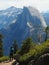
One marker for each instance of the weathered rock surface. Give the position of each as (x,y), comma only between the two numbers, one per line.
(43,60)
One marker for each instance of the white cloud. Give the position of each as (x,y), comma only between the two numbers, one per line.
(41,5)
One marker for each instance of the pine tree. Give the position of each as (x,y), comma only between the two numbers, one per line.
(1,46)
(15,46)
(26,46)
(47,32)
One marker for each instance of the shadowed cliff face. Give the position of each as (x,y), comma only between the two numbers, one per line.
(46,17)
(20,24)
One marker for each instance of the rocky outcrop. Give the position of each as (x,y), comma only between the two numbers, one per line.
(43,60)
(32,62)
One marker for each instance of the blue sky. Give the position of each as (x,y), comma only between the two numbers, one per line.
(41,5)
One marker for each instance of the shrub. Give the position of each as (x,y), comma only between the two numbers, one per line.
(4,58)
(26,46)
(37,51)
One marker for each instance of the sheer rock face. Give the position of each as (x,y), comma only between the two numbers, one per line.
(46,17)
(19,24)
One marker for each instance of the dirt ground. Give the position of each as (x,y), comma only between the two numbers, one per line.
(7,62)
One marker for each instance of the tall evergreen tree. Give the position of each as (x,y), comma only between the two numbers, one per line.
(1,45)
(15,46)
(47,32)
(26,45)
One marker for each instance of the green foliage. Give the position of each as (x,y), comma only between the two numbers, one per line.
(1,46)
(37,51)
(47,32)
(26,46)
(4,58)
(32,45)
(47,28)
(15,46)
(1,36)
(17,52)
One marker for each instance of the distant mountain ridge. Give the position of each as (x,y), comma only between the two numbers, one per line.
(9,16)
(20,24)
